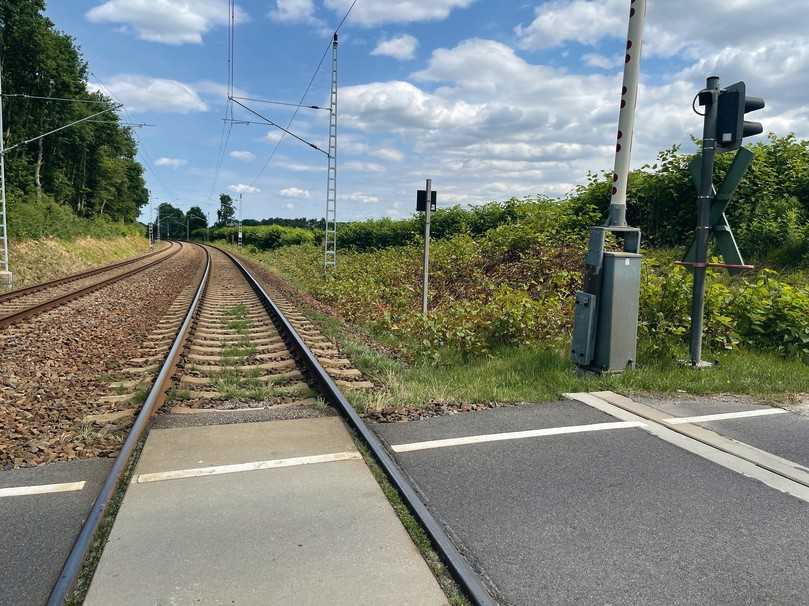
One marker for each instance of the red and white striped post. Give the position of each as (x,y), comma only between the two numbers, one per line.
(626,119)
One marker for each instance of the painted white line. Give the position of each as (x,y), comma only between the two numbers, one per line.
(514,435)
(22,491)
(242,467)
(710,453)
(726,415)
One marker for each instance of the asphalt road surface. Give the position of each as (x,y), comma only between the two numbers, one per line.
(614,515)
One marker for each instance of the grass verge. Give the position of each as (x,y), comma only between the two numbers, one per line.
(536,374)
(35,261)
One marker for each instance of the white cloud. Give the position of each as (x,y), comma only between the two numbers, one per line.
(242,156)
(359,196)
(582,21)
(166,21)
(216,89)
(290,205)
(143,93)
(364,167)
(274,136)
(376,12)
(401,47)
(299,167)
(241,188)
(295,192)
(686,27)
(389,153)
(293,11)
(602,61)
(171,162)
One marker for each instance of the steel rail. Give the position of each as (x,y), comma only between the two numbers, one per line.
(19,292)
(468,578)
(73,565)
(70,296)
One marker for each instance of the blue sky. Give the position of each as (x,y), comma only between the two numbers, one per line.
(489,99)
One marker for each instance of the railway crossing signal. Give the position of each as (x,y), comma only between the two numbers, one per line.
(422,196)
(731,125)
(724,130)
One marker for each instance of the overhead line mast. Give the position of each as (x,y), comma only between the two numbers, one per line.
(330,239)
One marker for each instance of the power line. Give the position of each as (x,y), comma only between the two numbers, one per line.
(268,102)
(227,125)
(38,97)
(56,130)
(271,123)
(305,92)
(141,145)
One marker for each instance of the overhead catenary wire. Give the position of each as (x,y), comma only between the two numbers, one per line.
(56,130)
(142,148)
(41,98)
(305,93)
(227,126)
(268,102)
(278,126)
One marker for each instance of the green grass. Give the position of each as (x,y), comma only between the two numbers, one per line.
(534,374)
(543,372)
(35,261)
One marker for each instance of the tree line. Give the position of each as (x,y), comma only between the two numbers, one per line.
(90,167)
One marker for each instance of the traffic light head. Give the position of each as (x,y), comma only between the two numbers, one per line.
(731,126)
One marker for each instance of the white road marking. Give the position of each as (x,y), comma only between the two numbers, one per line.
(726,415)
(514,435)
(710,453)
(241,467)
(22,491)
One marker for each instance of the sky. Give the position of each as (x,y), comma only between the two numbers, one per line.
(489,99)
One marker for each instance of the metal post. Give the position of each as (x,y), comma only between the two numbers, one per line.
(626,120)
(708,98)
(151,228)
(240,220)
(5,278)
(187,229)
(330,240)
(425,295)
(158,223)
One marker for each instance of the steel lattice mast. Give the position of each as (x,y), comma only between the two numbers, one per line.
(330,240)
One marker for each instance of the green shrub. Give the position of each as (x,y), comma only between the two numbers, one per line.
(773,315)
(32,220)
(262,237)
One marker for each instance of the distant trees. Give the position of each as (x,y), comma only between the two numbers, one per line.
(196,218)
(226,212)
(172,221)
(90,167)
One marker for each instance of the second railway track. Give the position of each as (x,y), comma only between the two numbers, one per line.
(18,305)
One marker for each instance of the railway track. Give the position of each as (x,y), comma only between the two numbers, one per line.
(235,346)
(18,305)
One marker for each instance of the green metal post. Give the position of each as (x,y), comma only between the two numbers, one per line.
(709,100)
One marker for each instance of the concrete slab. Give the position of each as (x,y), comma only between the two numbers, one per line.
(39,530)
(612,517)
(785,435)
(313,534)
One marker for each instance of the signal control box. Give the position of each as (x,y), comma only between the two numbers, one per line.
(606,325)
